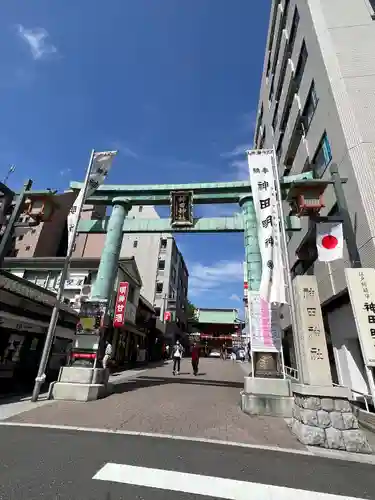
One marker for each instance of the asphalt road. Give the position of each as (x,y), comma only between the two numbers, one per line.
(61,464)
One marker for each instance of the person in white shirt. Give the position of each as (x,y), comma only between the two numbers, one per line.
(177,355)
(107,355)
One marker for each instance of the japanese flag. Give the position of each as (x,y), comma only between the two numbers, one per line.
(329,241)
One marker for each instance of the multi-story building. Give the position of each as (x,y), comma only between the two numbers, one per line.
(163,271)
(161,266)
(316,107)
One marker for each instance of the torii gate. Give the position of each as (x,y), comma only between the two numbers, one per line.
(123,197)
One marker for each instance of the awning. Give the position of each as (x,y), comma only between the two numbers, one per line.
(28,325)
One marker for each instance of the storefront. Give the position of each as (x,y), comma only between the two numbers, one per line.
(25,311)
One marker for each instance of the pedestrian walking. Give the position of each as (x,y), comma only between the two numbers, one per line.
(233,356)
(195,358)
(224,351)
(107,354)
(177,355)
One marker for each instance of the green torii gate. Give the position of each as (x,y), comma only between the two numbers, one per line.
(123,197)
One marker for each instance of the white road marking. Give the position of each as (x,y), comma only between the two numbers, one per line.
(210,486)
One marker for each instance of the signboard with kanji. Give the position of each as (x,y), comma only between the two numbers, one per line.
(167,316)
(182,208)
(120,308)
(311,332)
(361,287)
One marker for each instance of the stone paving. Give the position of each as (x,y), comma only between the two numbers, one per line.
(155,401)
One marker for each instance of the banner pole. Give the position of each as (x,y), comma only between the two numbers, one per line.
(285,254)
(41,376)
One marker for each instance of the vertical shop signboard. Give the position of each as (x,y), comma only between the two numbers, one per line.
(120,308)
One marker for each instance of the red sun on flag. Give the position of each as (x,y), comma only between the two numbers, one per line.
(329,242)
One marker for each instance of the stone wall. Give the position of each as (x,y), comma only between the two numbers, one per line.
(327,422)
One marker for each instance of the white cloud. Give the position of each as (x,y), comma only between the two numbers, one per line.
(208,278)
(235,298)
(237,151)
(36,38)
(65,171)
(242,169)
(124,149)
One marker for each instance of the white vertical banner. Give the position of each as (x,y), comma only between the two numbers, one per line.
(262,178)
(265,332)
(98,171)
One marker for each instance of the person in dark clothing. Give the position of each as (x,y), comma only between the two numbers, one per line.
(195,358)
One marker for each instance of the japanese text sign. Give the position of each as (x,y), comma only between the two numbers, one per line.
(122,297)
(263,188)
(182,208)
(361,287)
(311,332)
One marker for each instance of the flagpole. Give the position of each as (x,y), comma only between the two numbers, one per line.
(41,376)
(285,253)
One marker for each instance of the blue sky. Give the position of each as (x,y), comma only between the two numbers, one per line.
(173,84)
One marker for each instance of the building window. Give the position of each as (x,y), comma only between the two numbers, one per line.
(159,287)
(33,231)
(140,208)
(288,53)
(161,266)
(310,106)
(279,35)
(163,243)
(135,243)
(293,32)
(157,312)
(20,237)
(173,274)
(275,116)
(263,139)
(322,157)
(371,4)
(260,119)
(300,66)
(131,293)
(27,247)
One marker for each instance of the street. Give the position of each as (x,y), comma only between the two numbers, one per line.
(154,401)
(51,464)
(165,437)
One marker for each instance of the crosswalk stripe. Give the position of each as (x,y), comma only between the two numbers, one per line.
(210,486)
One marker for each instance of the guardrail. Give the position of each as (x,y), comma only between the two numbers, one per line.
(291,372)
(365,396)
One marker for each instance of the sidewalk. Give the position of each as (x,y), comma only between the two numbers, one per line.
(155,401)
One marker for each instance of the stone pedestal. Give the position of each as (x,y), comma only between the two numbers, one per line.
(323,416)
(267,397)
(81,384)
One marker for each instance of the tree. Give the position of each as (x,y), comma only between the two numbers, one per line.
(191,310)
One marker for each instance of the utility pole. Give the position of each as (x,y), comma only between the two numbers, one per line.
(349,234)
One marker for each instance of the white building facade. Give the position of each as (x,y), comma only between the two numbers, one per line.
(316,107)
(163,271)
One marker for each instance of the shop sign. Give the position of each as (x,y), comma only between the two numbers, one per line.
(167,316)
(19,325)
(73,283)
(120,308)
(25,290)
(91,317)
